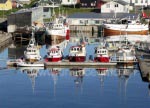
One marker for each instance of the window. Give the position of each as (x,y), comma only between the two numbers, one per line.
(136,1)
(81,22)
(97,21)
(107,5)
(146,1)
(116,5)
(141,1)
(46,9)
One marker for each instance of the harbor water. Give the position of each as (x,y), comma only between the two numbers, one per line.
(70,87)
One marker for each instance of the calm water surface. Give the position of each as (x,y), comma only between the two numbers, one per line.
(71,87)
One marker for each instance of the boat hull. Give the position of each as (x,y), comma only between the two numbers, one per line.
(110,32)
(22,64)
(58,38)
(77,58)
(124,29)
(102,59)
(57,59)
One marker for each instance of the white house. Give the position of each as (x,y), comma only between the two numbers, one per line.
(115,7)
(69,2)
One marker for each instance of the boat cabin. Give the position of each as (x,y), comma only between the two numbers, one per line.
(101,51)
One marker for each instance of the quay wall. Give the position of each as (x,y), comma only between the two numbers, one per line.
(5,38)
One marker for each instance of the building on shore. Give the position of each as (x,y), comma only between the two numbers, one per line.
(5,4)
(25,18)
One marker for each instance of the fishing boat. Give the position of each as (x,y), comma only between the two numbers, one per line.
(54,54)
(58,31)
(101,54)
(126,53)
(133,29)
(32,52)
(77,53)
(123,29)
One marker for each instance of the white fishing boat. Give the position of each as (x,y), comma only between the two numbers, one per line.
(32,52)
(123,29)
(132,28)
(58,31)
(126,53)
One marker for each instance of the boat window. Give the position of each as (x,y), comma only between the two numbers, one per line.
(77,49)
(129,21)
(56,51)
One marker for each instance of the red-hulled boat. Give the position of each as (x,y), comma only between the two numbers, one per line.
(54,54)
(101,54)
(77,53)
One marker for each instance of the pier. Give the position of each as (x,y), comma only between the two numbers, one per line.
(79,64)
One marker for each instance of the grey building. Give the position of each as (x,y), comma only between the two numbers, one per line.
(25,17)
(96,18)
(92,21)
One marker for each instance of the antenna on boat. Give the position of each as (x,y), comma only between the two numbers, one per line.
(53,11)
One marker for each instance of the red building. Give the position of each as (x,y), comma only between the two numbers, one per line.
(99,3)
(14,4)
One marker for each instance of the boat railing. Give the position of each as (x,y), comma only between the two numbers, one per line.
(121,59)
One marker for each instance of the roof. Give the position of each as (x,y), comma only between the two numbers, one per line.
(92,15)
(121,2)
(26,10)
(3,1)
(86,1)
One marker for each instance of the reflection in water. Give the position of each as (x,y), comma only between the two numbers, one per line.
(123,75)
(78,74)
(55,73)
(102,72)
(32,73)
